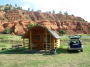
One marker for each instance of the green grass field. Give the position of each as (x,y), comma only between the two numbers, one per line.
(22,58)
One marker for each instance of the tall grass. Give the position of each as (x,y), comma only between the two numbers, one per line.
(12,58)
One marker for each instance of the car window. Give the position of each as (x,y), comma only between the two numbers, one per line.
(75,40)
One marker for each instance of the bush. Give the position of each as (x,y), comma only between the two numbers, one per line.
(62,32)
(30,26)
(7,31)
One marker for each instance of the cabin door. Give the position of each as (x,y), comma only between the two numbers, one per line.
(47,43)
(37,42)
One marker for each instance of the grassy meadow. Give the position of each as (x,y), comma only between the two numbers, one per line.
(22,58)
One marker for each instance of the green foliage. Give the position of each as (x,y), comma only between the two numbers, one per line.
(15,5)
(49,12)
(28,9)
(20,8)
(32,10)
(60,12)
(7,8)
(53,11)
(7,5)
(30,26)
(7,31)
(62,32)
(66,13)
(39,11)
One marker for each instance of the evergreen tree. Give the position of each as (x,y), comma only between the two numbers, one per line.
(66,13)
(60,12)
(53,11)
(28,9)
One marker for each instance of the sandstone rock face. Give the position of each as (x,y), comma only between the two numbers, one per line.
(18,29)
(18,20)
(1,28)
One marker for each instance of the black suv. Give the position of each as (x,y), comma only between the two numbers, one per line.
(75,43)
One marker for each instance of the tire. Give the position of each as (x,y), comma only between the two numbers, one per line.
(68,50)
(81,50)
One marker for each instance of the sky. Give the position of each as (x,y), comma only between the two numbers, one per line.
(76,7)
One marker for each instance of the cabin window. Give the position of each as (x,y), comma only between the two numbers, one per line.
(36,37)
(48,39)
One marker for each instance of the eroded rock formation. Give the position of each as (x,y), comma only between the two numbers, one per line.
(18,20)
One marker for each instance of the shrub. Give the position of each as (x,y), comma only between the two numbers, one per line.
(30,26)
(7,31)
(62,32)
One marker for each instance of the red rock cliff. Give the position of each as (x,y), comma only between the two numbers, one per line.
(18,20)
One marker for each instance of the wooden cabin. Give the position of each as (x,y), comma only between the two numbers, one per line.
(42,38)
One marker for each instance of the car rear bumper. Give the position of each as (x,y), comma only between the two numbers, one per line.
(75,48)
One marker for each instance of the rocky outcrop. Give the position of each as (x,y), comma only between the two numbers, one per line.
(1,28)
(18,20)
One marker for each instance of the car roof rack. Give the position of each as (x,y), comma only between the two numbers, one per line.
(75,37)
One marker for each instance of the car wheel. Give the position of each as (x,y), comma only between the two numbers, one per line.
(81,50)
(68,50)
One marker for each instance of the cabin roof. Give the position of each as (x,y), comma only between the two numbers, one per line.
(54,34)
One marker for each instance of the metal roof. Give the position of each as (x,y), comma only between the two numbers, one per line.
(54,34)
